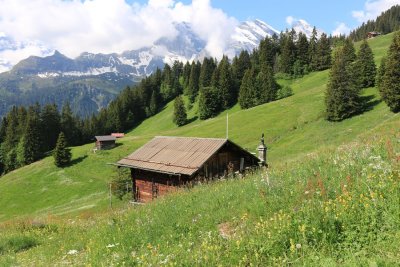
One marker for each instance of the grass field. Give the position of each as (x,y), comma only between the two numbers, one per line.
(294,127)
(333,208)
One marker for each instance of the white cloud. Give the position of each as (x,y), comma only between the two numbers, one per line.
(341,29)
(289,20)
(373,8)
(105,26)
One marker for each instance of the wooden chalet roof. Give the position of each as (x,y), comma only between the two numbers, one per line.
(102,138)
(174,155)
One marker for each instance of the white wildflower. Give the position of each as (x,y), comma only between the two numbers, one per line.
(72,252)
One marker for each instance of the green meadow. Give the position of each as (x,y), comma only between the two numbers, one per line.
(330,197)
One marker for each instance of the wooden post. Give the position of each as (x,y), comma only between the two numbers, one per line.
(110,197)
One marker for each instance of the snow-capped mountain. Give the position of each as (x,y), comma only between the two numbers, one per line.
(248,35)
(91,80)
(304,27)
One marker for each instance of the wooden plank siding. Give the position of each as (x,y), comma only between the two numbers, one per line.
(150,185)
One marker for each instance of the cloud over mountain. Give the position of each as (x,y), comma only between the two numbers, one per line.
(106,26)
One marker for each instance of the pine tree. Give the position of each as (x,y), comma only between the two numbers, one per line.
(68,125)
(381,73)
(247,94)
(209,103)
(390,84)
(239,66)
(32,137)
(266,85)
(153,107)
(225,84)
(61,154)
(366,65)
(193,87)
(312,49)
(303,50)
(322,59)
(267,52)
(288,53)
(342,96)
(349,52)
(206,72)
(180,116)
(50,118)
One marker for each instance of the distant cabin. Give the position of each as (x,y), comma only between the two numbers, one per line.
(165,163)
(373,34)
(118,135)
(105,142)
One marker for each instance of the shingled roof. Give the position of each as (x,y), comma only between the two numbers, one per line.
(174,155)
(103,138)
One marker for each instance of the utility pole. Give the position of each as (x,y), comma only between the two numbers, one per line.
(227,125)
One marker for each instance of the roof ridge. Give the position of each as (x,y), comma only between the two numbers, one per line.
(190,137)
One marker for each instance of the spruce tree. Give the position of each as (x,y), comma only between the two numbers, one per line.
(61,154)
(390,84)
(267,86)
(153,107)
(312,48)
(239,66)
(303,56)
(32,137)
(180,116)
(247,94)
(349,52)
(193,86)
(366,65)
(342,96)
(68,123)
(206,72)
(209,103)
(381,73)
(322,59)
(225,84)
(288,53)
(50,118)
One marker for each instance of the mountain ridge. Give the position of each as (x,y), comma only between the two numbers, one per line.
(54,77)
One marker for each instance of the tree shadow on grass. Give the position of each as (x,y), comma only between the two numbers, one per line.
(77,161)
(191,120)
(368,103)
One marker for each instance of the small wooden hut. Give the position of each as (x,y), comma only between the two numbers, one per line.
(105,142)
(165,163)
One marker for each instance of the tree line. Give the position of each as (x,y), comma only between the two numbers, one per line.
(249,79)
(387,22)
(352,72)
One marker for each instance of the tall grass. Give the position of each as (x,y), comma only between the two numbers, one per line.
(337,207)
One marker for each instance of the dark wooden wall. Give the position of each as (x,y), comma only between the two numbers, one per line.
(149,185)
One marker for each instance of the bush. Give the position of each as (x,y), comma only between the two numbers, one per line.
(121,183)
(17,243)
(285,91)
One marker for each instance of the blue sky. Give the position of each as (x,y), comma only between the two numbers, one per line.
(327,15)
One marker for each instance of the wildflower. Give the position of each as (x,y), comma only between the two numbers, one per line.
(112,245)
(72,252)
(292,246)
(298,246)
(306,192)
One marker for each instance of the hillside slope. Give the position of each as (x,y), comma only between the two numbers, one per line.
(294,127)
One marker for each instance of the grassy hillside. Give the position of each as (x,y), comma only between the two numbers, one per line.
(334,208)
(294,127)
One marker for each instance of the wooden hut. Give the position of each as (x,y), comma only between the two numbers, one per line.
(165,163)
(373,34)
(105,142)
